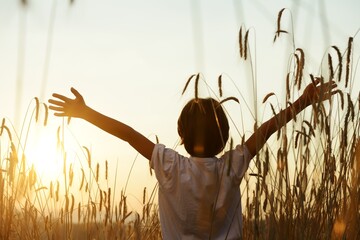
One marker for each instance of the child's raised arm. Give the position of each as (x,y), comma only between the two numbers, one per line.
(313,93)
(66,107)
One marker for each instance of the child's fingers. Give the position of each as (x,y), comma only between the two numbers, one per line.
(331,92)
(61,97)
(315,81)
(328,83)
(332,83)
(62,114)
(332,87)
(55,108)
(75,92)
(57,103)
(328,86)
(335,92)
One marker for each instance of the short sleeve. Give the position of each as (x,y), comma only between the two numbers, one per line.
(164,161)
(240,159)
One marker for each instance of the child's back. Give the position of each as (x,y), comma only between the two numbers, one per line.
(200,197)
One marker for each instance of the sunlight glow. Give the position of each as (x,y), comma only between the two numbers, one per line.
(43,154)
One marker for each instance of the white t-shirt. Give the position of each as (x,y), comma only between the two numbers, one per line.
(199,197)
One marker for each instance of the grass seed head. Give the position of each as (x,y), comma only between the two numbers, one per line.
(241,47)
(220,85)
(288,95)
(348,58)
(46,113)
(97,172)
(331,68)
(338,53)
(246,44)
(82,179)
(228,99)
(187,83)
(88,156)
(267,97)
(37,109)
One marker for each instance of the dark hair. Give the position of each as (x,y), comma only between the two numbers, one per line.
(203,127)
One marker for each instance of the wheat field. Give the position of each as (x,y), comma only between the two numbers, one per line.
(304,186)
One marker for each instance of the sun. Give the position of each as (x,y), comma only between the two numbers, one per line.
(43,154)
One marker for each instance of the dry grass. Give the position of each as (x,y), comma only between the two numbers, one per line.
(65,209)
(307,185)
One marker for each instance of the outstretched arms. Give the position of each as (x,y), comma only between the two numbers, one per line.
(64,106)
(313,93)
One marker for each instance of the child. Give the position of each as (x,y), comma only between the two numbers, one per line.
(199,195)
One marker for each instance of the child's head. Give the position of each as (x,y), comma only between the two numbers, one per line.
(203,127)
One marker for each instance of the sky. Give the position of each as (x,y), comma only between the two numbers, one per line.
(131,59)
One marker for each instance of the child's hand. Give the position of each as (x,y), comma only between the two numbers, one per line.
(66,107)
(315,93)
